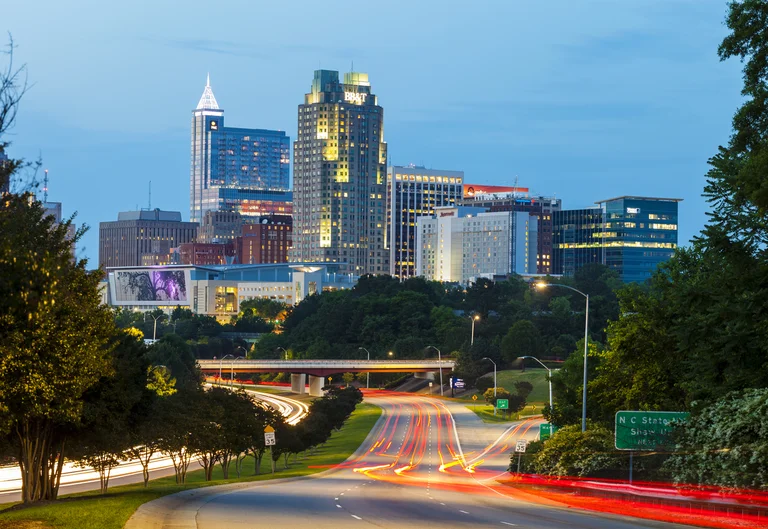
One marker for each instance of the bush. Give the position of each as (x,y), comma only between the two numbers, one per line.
(571,452)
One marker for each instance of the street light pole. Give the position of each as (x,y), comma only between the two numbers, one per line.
(494,380)
(586,348)
(286,352)
(154,332)
(472,339)
(368,373)
(221,360)
(439,361)
(549,375)
(232,371)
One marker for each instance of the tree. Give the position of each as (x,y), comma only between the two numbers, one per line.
(567,384)
(174,353)
(724,444)
(522,339)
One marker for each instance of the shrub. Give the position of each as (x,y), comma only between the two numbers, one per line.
(571,452)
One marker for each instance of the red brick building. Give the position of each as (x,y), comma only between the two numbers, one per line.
(198,253)
(265,241)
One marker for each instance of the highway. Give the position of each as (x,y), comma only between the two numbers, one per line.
(427,463)
(76,479)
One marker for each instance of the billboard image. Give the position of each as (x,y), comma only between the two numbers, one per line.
(151,285)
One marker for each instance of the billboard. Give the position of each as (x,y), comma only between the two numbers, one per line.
(471,190)
(150,286)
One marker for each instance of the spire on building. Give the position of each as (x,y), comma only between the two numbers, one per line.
(208,100)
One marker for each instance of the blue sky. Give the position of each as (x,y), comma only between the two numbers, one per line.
(585,99)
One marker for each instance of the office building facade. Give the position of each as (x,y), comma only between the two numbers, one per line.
(413,192)
(460,245)
(220,227)
(517,199)
(577,239)
(265,241)
(639,233)
(236,169)
(5,176)
(339,208)
(123,242)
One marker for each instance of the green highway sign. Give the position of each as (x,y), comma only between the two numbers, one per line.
(646,430)
(502,404)
(546,430)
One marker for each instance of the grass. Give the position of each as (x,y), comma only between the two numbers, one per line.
(91,510)
(485,412)
(537,377)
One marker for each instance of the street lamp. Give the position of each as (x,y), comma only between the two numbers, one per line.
(474,319)
(368,373)
(286,352)
(549,375)
(390,354)
(154,333)
(439,361)
(221,360)
(586,341)
(232,370)
(494,380)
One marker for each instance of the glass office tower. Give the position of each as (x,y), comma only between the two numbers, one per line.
(236,169)
(639,233)
(577,239)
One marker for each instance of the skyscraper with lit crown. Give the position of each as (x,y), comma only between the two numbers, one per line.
(234,169)
(340,176)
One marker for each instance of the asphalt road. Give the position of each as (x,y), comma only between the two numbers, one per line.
(427,463)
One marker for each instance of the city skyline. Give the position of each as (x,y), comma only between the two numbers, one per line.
(606,107)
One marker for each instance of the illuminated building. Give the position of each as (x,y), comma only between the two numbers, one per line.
(639,233)
(496,198)
(218,290)
(339,176)
(201,253)
(462,244)
(123,242)
(576,239)
(631,235)
(413,192)
(265,241)
(236,169)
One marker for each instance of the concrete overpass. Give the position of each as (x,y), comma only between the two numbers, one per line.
(317,370)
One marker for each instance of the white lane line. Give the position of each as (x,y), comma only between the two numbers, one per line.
(441,503)
(342,494)
(337,499)
(356,517)
(339,506)
(512,524)
(464,512)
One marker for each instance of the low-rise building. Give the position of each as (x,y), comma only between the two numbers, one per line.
(219,290)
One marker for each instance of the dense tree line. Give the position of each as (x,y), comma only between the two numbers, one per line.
(695,337)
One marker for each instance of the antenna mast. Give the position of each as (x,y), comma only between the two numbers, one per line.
(45,187)
(150,195)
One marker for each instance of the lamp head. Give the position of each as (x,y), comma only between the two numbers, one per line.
(541,285)
(476,317)
(390,353)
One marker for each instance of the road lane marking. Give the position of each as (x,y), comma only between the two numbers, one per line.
(441,503)
(337,499)
(465,512)
(507,523)
(356,517)
(339,506)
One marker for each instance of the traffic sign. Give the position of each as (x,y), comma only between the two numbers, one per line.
(547,430)
(646,430)
(458,383)
(521,445)
(474,397)
(269,436)
(502,404)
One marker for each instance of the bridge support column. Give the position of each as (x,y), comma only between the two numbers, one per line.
(298,383)
(316,386)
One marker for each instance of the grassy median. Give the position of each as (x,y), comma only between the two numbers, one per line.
(91,510)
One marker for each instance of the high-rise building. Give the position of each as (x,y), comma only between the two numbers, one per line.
(198,253)
(460,245)
(631,235)
(577,239)
(339,176)
(236,169)
(412,192)
(265,241)
(517,199)
(639,233)
(123,242)
(53,209)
